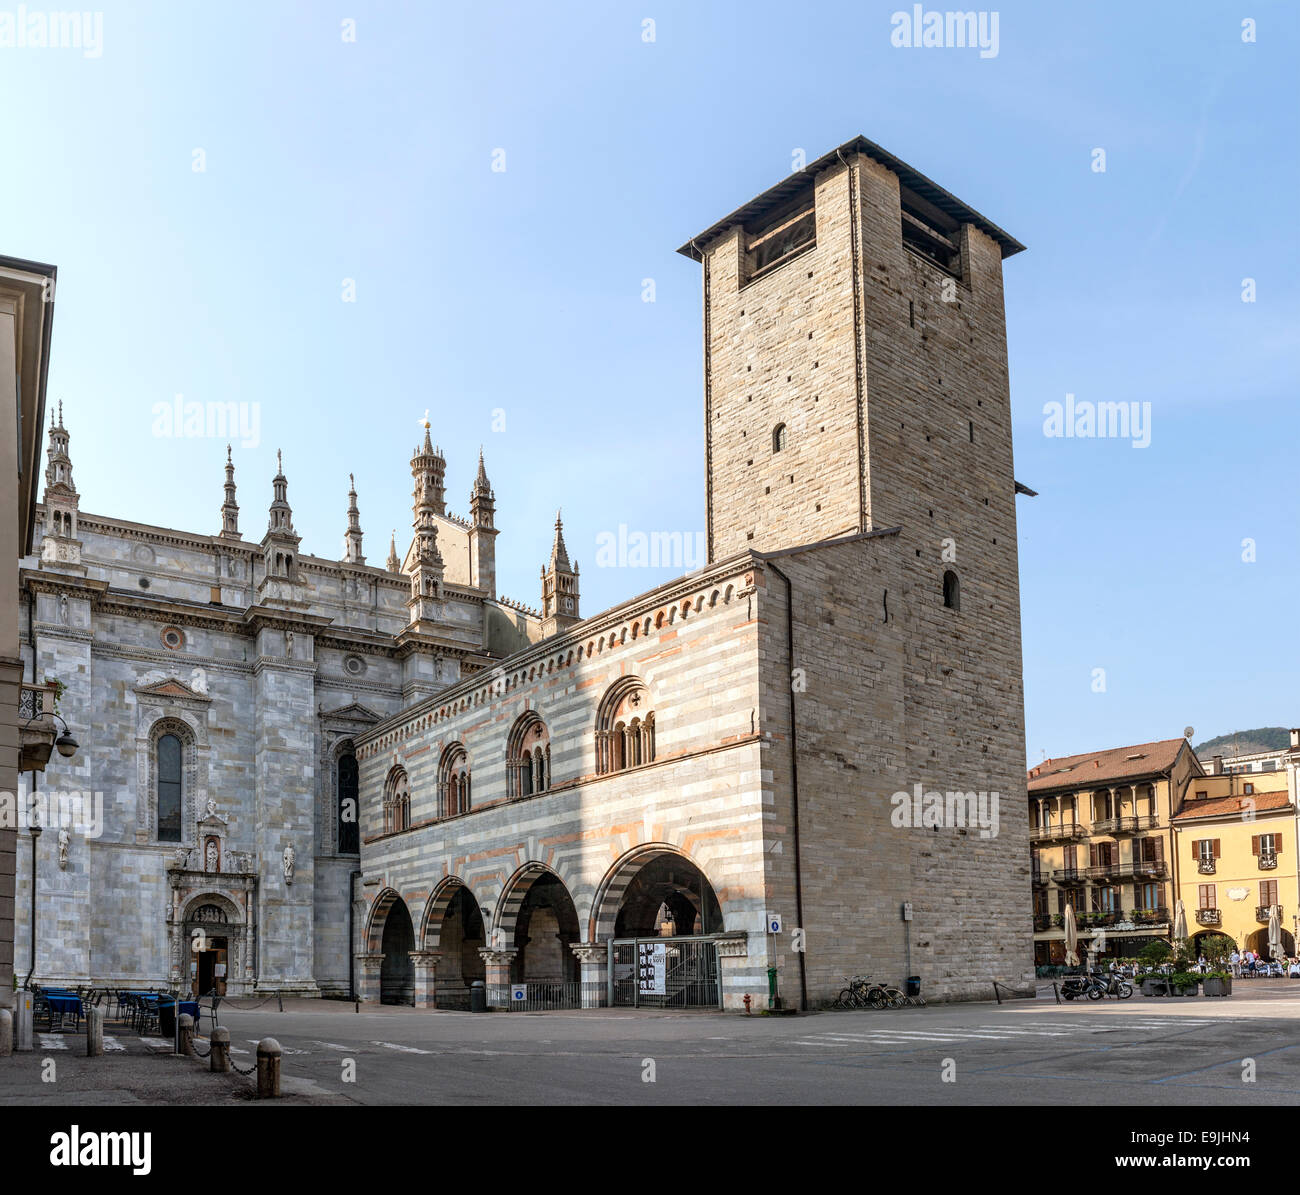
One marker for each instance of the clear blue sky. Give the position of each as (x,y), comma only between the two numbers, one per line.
(522,290)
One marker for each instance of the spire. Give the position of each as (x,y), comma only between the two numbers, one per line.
(230,508)
(60,545)
(352,537)
(483,532)
(559,553)
(281,520)
(394,565)
(481,485)
(559,587)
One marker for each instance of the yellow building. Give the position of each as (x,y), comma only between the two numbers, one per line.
(1101,840)
(1236,855)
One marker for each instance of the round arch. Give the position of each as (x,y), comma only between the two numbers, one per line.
(663,872)
(537,917)
(452,926)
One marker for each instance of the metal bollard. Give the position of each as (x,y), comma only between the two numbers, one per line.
(94,1032)
(219,1059)
(6,1033)
(268,1069)
(23,1025)
(185,1035)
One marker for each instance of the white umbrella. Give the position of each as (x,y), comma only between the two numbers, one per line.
(1180,922)
(1274,933)
(1071,938)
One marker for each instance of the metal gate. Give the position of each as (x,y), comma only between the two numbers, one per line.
(664,973)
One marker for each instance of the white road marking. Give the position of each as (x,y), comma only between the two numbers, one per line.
(329,1045)
(252,1041)
(111,1043)
(53,1041)
(388,1045)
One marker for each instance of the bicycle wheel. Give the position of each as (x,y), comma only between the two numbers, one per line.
(876,997)
(895,998)
(845,1000)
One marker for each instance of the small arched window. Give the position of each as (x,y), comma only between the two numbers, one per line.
(454,781)
(778,437)
(528,757)
(951,591)
(397,802)
(169,788)
(625,727)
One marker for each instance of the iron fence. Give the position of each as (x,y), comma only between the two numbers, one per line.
(665,973)
(545,995)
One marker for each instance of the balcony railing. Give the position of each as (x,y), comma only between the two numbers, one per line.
(1210,917)
(1042,921)
(1156,869)
(1157,916)
(1205,867)
(1262,912)
(1059,833)
(1267,860)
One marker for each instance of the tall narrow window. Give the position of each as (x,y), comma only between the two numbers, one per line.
(951,591)
(169,788)
(778,437)
(349,836)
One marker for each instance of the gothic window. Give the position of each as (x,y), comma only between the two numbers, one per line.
(951,591)
(778,437)
(169,765)
(454,781)
(528,757)
(349,836)
(625,727)
(397,802)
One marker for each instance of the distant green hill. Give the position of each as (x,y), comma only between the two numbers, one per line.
(1245,742)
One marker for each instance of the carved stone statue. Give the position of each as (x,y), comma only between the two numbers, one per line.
(182,856)
(287,863)
(210,862)
(64,842)
(212,807)
(288,645)
(199,680)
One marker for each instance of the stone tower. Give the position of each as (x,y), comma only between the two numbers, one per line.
(559,587)
(60,545)
(482,537)
(427,469)
(857,398)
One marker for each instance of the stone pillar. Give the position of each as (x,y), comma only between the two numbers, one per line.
(738,973)
(497,974)
(219,1058)
(426,977)
(593,959)
(23,1022)
(94,1032)
(6,1032)
(368,966)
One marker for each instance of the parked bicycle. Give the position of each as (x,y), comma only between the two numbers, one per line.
(862,992)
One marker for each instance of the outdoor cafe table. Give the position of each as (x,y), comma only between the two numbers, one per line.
(64,1006)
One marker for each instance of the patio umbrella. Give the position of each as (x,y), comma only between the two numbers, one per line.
(1180,922)
(1274,933)
(1071,938)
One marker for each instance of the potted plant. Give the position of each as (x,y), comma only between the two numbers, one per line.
(1217,983)
(1185,983)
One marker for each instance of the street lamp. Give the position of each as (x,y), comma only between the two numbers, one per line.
(67,747)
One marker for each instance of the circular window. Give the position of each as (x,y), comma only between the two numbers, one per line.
(354,665)
(173,638)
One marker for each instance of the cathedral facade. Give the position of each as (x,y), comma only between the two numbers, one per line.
(388,781)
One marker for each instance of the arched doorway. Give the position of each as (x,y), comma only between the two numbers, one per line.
(666,896)
(545,928)
(397,971)
(453,927)
(662,913)
(1258,942)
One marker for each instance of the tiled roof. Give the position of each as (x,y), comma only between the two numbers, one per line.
(1216,806)
(1099,767)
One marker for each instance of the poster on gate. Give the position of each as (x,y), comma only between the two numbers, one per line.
(652,964)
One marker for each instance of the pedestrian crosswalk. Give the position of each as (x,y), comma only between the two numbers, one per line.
(1020,1031)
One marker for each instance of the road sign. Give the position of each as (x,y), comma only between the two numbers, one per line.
(519,992)
(774,923)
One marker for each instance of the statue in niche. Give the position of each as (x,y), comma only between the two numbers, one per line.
(65,842)
(288,645)
(287,863)
(199,680)
(211,858)
(63,608)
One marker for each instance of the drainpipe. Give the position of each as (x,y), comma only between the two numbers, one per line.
(794,787)
(31,796)
(352,916)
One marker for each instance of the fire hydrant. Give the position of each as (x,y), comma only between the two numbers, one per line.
(747,1001)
